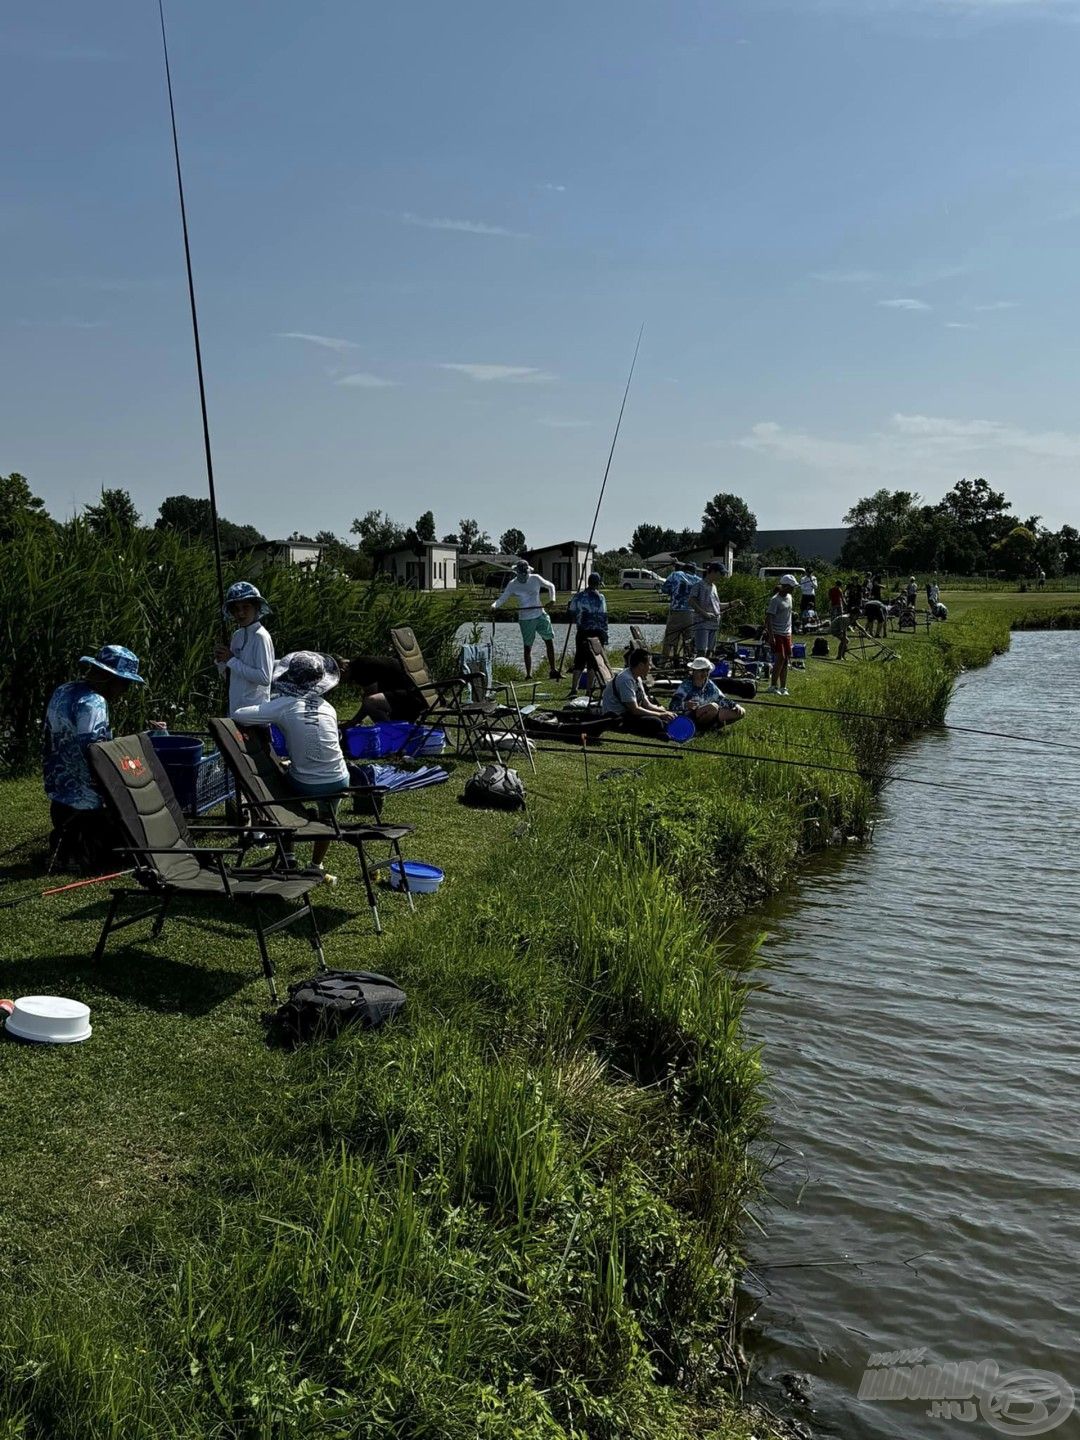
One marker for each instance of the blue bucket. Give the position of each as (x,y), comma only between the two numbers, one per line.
(423,879)
(720,670)
(681,729)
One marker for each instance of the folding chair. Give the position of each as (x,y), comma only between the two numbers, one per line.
(168,863)
(478,724)
(269,804)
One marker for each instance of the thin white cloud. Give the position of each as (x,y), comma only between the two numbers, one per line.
(960,325)
(908,446)
(565,424)
(64,324)
(557,189)
(904,302)
(847,277)
(513,374)
(467,227)
(364,380)
(325,342)
(995,305)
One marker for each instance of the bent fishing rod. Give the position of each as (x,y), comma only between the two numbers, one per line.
(194,318)
(603,484)
(898,720)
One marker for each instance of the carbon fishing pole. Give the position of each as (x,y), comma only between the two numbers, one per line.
(603,483)
(897,720)
(194,317)
(60,889)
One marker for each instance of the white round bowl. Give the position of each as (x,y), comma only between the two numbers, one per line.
(49,1020)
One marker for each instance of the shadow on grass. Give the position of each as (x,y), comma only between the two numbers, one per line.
(153,981)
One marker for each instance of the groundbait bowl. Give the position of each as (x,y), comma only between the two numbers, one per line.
(681,729)
(423,879)
(49,1020)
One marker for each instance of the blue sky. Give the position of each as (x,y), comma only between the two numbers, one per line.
(425,237)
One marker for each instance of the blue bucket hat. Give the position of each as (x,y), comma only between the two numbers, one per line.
(116,660)
(244,590)
(305,672)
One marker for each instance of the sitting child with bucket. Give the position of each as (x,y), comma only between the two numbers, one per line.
(702,700)
(249,656)
(310,725)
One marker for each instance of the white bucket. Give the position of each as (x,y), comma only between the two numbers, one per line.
(49,1020)
(423,879)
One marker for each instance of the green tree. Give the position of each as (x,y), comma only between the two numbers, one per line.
(19,505)
(114,514)
(1015,552)
(877,522)
(657,539)
(980,512)
(1068,542)
(728,520)
(190,517)
(378,533)
(425,527)
(512,542)
(473,540)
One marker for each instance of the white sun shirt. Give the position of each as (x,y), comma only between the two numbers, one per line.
(310,726)
(250,666)
(527,594)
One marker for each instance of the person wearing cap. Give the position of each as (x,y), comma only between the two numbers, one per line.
(83,831)
(589,609)
(706,607)
(626,700)
(526,588)
(702,700)
(778,633)
(248,659)
(298,707)
(681,617)
(808,592)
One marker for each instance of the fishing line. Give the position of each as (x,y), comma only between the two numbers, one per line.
(896,720)
(603,486)
(194,318)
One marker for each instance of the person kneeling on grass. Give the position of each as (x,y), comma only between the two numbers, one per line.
(625,698)
(703,701)
(389,694)
(310,725)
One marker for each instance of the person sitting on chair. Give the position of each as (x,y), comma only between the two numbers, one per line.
(703,701)
(83,831)
(389,694)
(625,699)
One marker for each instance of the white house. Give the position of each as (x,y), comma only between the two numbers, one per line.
(703,554)
(429,565)
(269,553)
(565,565)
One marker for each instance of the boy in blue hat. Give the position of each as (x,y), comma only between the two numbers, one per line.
(249,655)
(77,715)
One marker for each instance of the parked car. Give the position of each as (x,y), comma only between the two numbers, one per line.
(639,580)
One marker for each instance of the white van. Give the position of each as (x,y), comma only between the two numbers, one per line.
(773,572)
(639,580)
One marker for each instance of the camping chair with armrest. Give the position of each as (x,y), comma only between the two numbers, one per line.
(171,866)
(270,804)
(477,724)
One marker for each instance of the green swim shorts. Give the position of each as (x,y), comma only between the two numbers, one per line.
(534,626)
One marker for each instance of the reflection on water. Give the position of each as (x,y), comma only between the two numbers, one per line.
(921,1026)
(507,638)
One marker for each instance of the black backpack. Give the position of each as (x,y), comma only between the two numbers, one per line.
(320,1007)
(495,788)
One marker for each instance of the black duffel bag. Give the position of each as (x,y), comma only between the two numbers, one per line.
(495,787)
(318,1008)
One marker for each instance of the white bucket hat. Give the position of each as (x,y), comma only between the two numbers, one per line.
(306,672)
(699,662)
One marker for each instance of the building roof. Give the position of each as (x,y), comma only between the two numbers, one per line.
(421,544)
(819,544)
(557,545)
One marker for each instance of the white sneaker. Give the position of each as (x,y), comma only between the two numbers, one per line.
(773,690)
(784,691)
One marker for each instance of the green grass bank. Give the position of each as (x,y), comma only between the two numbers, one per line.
(516,1212)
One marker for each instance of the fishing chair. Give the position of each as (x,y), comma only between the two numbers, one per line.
(170,865)
(478,723)
(270,805)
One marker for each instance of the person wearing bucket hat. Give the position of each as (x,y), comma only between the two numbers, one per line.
(702,700)
(248,659)
(83,832)
(778,632)
(526,588)
(297,706)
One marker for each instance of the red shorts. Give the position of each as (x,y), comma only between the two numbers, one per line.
(781,646)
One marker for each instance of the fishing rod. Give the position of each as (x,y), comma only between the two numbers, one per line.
(60,889)
(194,318)
(603,484)
(897,720)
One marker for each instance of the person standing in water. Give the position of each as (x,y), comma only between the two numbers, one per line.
(526,588)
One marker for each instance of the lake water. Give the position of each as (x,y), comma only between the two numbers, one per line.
(921,1028)
(508,642)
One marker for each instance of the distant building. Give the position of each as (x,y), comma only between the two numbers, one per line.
(266,554)
(428,565)
(565,565)
(807,544)
(704,553)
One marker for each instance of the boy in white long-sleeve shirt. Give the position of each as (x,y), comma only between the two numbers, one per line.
(249,656)
(526,588)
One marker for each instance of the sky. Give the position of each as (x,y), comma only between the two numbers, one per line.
(425,237)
